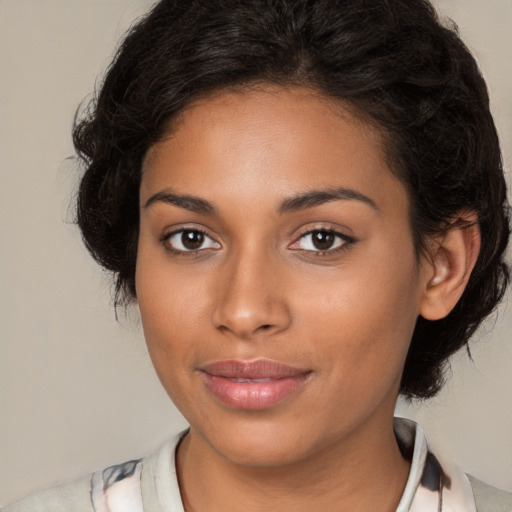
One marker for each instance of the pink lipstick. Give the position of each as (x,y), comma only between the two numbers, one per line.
(252,385)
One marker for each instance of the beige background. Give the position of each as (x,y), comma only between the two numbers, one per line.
(77,391)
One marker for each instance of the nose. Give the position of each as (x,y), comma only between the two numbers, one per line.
(251,298)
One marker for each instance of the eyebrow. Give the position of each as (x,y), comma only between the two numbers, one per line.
(192,203)
(318,197)
(298,202)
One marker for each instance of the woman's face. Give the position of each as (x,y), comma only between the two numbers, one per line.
(276,274)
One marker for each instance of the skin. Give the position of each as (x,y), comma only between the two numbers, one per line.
(258,288)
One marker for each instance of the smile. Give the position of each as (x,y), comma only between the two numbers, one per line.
(252,385)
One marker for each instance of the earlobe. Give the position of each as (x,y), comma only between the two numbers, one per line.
(452,259)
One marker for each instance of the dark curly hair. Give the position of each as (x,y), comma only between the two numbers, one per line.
(390,61)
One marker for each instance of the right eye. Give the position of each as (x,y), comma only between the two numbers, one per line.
(190,240)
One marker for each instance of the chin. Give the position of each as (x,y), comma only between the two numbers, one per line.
(258,455)
(259,443)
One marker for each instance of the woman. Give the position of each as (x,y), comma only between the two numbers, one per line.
(306,199)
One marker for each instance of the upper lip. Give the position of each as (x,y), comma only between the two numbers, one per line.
(259,369)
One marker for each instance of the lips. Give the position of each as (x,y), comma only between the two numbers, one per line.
(252,385)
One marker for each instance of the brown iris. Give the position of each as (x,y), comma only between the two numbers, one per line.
(192,239)
(322,240)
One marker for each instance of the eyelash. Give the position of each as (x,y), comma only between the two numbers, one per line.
(346,241)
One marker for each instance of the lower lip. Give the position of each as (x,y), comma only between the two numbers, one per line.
(253,395)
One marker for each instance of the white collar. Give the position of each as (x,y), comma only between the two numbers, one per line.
(430,487)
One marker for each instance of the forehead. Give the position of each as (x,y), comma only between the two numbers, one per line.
(269,142)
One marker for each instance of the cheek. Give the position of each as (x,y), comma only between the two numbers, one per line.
(166,292)
(362,320)
(169,329)
(167,305)
(171,309)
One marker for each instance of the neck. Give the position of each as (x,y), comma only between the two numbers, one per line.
(363,472)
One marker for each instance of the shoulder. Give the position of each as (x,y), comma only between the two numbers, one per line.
(490,499)
(116,488)
(75,496)
(122,487)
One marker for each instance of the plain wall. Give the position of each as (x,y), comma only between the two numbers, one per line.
(77,390)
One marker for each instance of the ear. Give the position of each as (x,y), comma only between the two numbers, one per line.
(452,258)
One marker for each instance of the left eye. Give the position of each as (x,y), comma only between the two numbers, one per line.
(320,240)
(186,240)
